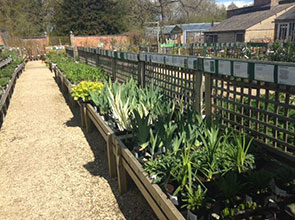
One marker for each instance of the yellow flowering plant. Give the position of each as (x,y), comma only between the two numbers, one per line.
(81,90)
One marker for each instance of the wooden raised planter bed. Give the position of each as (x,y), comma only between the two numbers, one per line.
(157,199)
(5,99)
(122,162)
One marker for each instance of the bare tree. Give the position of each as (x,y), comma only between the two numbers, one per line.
(185,10)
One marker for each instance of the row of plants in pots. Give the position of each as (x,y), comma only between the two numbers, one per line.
(191,158)
(76,71)
(7,72)
(205,169)
(4,55)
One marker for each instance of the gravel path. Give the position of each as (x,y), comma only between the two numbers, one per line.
(51,169)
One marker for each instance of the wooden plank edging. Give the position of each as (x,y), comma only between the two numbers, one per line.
(160,203)
(106,132)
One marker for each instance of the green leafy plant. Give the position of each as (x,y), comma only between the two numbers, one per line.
(185,171)
(258,181)
(7,71)
(213,141)
(141,129)
(166,130)
(229,185)
(238,153)
(160,168)
(154,143)
(77,72)
(194,198)
(120,110)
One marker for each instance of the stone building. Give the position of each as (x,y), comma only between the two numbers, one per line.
(250,24)
(285,26)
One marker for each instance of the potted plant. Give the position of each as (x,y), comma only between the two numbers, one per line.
(194,202)
(141,133)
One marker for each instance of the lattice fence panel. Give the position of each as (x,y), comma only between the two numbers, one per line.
(106,63)
(70,52)
(176,82)
(266,111)
(82,56)
(126,70)
(91,58)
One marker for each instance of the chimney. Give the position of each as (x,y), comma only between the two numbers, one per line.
(261,2)
(274,3)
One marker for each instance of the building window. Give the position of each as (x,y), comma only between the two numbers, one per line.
(283,31)
(212,38)
(240,37)
(292,31)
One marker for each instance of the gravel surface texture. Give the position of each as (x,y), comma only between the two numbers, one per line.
(49,167)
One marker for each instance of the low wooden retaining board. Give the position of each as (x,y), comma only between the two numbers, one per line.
(5,62)
(5,99)
(157,199)
(105,131)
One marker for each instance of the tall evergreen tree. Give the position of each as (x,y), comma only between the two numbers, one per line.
(90,17)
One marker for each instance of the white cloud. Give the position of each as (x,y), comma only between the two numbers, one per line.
(237,3)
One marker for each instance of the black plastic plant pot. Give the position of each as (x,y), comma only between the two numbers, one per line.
(192,215)
(138,153)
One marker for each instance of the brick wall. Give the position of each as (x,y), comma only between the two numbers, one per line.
(109,41)
(35,46)
(1,40)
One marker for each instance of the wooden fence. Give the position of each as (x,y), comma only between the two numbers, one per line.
(255,97)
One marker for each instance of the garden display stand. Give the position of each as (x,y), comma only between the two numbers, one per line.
(5,99)
(121,162)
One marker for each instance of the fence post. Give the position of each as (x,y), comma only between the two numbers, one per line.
(141,73)
(79,53)
(86,55)
(208,106)
(96,58)
(198,76)
(114,68)
(191,50)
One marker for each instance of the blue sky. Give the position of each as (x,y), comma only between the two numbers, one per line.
(239,3)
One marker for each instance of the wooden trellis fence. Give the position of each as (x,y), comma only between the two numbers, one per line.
(255,97)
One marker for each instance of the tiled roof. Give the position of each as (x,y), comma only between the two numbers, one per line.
(185,27)
(289,15)
(244,21)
